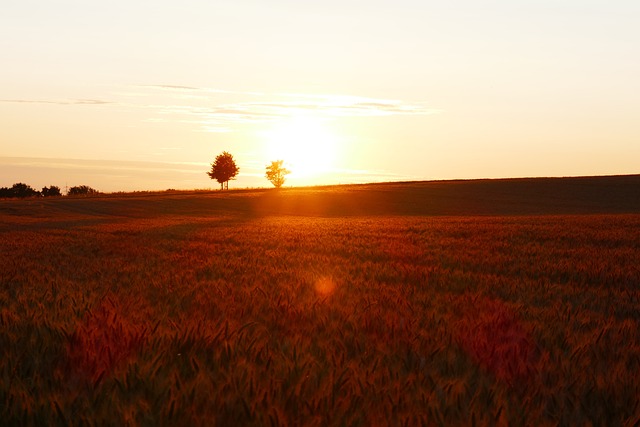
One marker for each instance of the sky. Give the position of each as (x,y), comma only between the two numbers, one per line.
(142,95)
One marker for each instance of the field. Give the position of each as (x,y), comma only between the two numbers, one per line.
(512,302)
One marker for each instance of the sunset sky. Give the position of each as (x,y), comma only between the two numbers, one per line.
(142,95)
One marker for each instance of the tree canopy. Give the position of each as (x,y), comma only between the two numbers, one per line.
(20,190)
(52,191)
(81,190)
(223,169)
(276,173)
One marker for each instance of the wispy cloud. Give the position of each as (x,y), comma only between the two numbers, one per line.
(90,102)
(339,107)
(171,87)
(181,88)
(58,102)
(214,115)
(220,110)
(108,165)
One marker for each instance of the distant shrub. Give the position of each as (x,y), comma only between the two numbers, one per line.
(5,192)
(82,190)
(20,190)
(52,191)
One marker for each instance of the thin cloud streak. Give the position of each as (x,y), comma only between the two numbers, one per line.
(104,175)
(68,102)
(181,88)
(171,87)
(214,116)
(110,165)
(203,108)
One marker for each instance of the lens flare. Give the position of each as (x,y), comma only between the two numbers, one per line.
(325,286)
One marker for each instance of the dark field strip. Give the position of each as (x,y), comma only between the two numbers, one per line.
(218,309)
(535,196)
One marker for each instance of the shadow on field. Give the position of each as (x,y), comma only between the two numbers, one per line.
(536,196)
(532,196)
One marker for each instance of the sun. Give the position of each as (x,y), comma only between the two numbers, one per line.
(305,143)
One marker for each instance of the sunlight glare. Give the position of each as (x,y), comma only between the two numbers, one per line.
(306,145)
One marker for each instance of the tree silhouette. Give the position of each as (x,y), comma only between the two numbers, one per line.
(81,190)
(21,189)
(223,169)
(51,191)
(276,173)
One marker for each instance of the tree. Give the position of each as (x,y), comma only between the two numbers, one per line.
(23,190)
(51,191)
(81,190)
(276,173)
(223,169)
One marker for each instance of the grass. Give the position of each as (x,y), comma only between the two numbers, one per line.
(390,304)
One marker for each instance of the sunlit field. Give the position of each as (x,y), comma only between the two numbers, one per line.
(494,303)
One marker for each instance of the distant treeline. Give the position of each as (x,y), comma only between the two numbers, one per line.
(21,190)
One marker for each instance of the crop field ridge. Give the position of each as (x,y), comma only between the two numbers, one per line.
(486,302)
(524,196)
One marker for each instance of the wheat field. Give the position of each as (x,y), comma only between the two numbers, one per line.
(322,307)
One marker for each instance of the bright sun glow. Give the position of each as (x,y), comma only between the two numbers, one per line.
(306,145)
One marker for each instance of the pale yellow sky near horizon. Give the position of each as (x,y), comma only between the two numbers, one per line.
(142,95)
